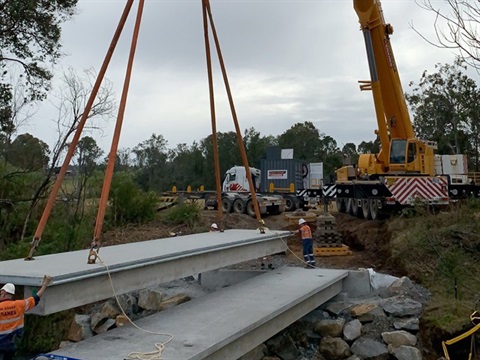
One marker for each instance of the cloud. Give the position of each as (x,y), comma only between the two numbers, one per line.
(287,62)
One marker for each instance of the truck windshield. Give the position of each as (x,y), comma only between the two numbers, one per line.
(397,151)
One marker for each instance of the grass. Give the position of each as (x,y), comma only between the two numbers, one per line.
(442,252)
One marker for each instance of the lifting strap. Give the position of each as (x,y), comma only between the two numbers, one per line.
(95,245)
(207,11)
(78,132)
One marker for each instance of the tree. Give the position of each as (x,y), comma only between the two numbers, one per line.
(29,38)
(70,102)
(369,147)
(256,146)
(456,27)
(330,155)
(304,139)
(123,159)
(28,153)
(349,154)
(442,105)
(87,153)
(188,163)
(151,161)
(229,155)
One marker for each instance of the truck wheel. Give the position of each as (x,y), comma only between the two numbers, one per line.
(250,208)
(366,209)
(290,204)
(355,209)
(348,205)
(341,206)
(227,205)
(239,206)
(375,209)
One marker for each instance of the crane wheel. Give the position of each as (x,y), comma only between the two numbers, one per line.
(341,205)
(366,209)
(375,209)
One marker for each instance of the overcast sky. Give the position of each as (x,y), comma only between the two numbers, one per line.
(287,62)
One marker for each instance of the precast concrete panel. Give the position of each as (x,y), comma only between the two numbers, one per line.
(135,266)
(225,324)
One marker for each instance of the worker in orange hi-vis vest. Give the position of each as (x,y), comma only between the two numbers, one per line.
(307,242)
(12,314)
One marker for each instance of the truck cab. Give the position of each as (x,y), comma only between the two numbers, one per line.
(236,195)
(236,179)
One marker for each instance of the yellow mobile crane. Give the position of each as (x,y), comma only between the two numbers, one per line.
(406,170)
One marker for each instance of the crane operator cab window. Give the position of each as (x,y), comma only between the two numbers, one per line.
(412,152)
(397,151)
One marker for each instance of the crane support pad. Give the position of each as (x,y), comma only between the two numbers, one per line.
(332,251)
(135,266)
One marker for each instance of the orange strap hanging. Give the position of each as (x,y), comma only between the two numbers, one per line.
(216,160)
(92,257)
(78,132)
(206,5)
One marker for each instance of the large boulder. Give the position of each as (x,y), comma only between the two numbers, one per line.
(399,338)
(370,349)
(80,328)
(352,330)
(330,327)
(334,348)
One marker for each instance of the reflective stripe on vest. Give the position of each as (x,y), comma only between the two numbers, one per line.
(305,232)
(11,314)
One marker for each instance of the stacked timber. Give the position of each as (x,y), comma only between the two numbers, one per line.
(326,235)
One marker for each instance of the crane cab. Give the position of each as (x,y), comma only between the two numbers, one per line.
(405,157)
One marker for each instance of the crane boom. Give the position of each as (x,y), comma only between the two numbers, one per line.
(383,68)
(401,152)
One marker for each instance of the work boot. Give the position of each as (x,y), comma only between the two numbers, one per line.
(270,267)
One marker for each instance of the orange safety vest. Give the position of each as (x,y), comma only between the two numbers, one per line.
(11,319)
(305,232)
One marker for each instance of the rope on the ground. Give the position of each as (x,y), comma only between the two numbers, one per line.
(160,346)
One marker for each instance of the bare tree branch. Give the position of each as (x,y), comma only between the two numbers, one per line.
(456,28)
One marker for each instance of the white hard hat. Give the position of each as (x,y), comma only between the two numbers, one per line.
(214,226)
(301,221)
(9,288)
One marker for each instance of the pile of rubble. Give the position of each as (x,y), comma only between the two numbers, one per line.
(379,326)
(110,314)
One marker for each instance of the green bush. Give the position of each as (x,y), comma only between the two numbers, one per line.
(185,214)
(129,204)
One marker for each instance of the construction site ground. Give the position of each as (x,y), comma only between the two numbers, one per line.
(364,238)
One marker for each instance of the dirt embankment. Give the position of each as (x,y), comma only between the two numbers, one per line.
(366,239)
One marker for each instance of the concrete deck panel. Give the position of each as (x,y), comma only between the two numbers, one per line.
(222,325)
(135,266)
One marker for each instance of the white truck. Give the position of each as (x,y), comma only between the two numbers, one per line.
(299,184)
(236,195)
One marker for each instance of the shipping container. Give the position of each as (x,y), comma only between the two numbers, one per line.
(283,172)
